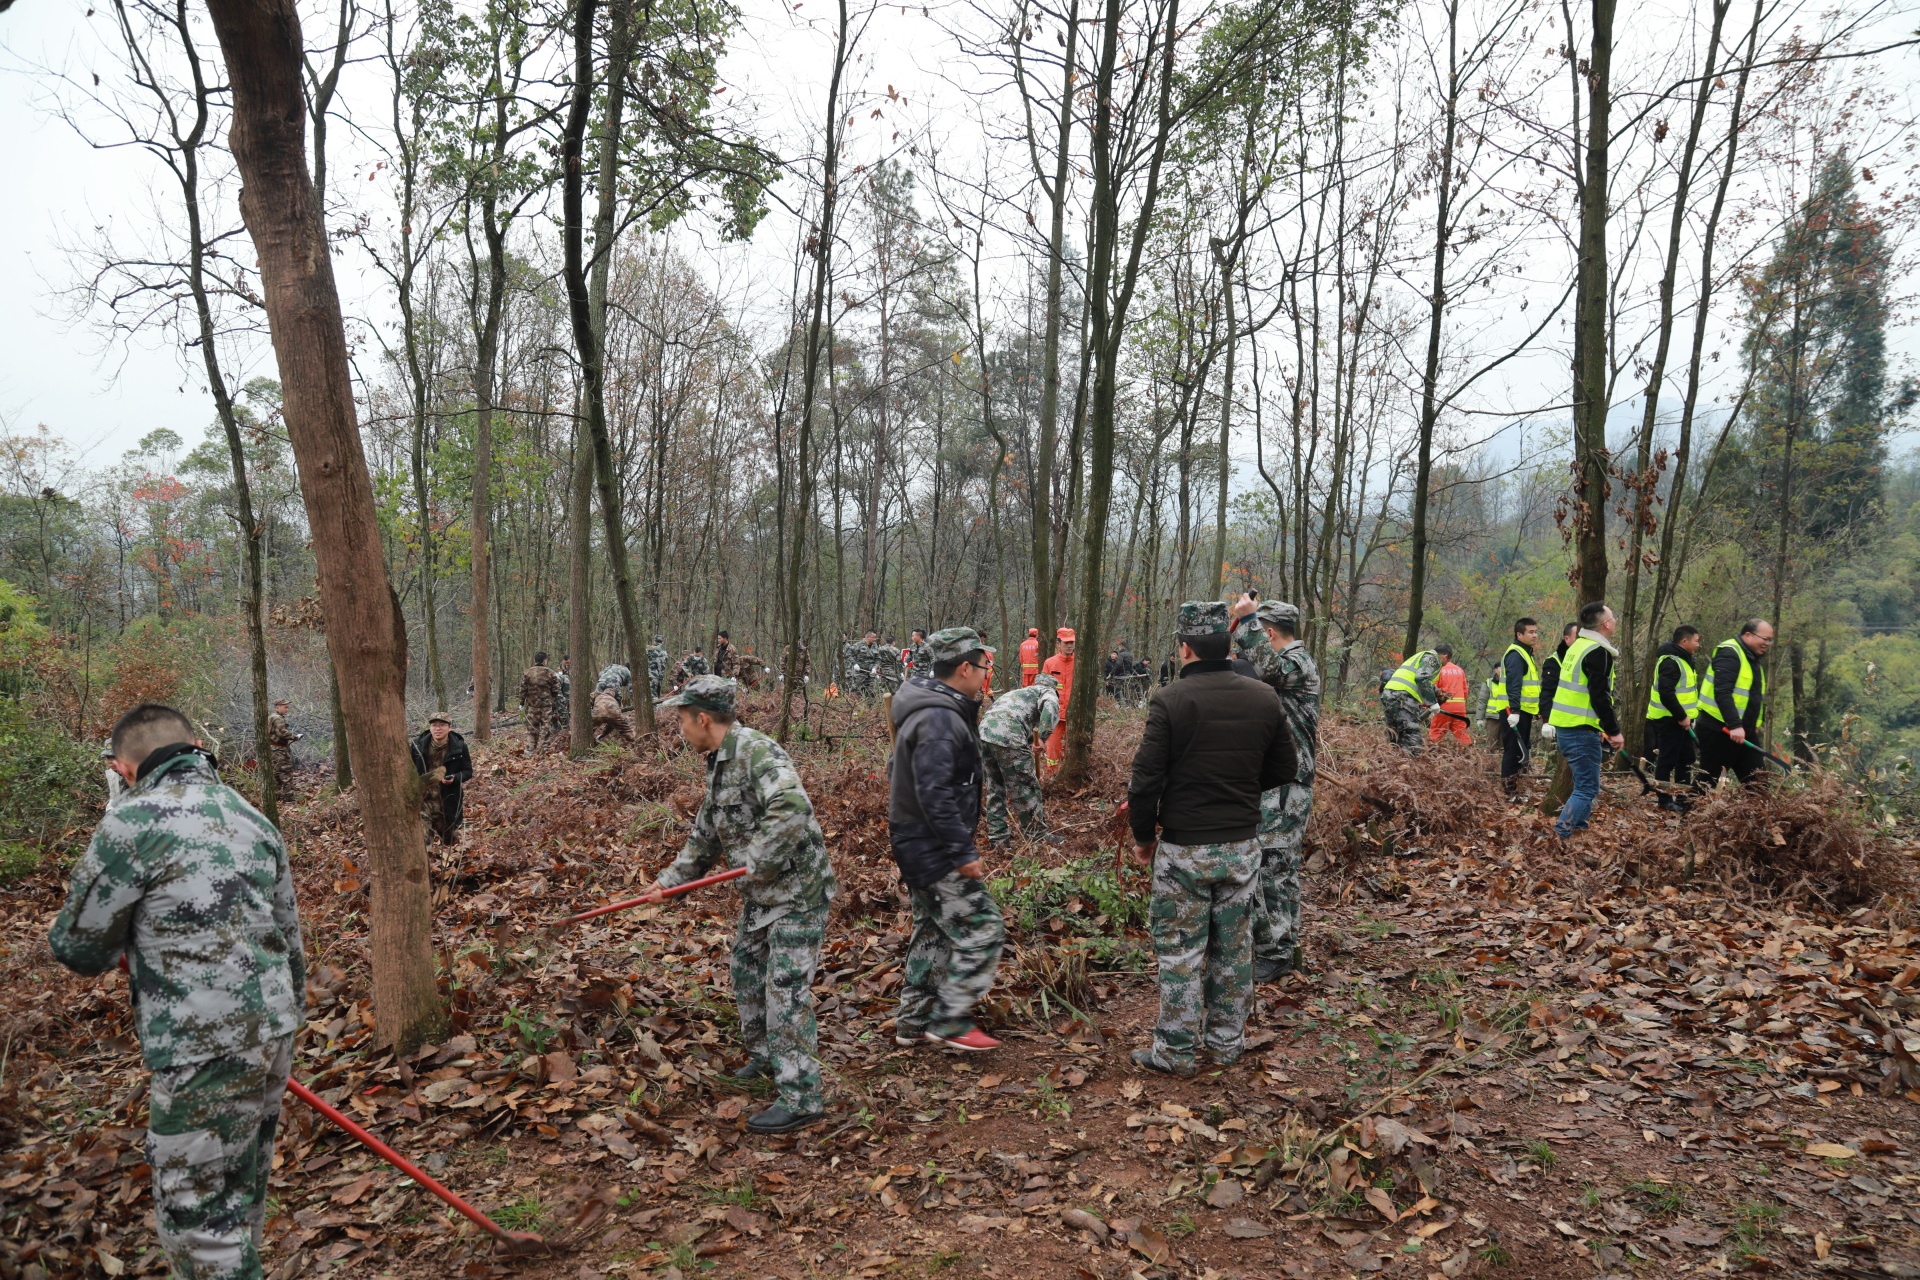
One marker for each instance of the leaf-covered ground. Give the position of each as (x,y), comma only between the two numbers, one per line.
(1507,1059)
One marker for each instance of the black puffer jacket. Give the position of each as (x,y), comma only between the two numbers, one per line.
(1214,741)
(459,766)
(934,779)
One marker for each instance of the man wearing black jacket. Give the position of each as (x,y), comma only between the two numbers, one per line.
(1515,699)
(1733,704)
(1214,740)
(1670,710)
(933,806)
(440,756)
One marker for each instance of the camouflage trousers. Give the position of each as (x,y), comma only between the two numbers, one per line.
(612,724)
(773,969)
(952,956)
(1276,901)
(541,723)
(282,756)
(1406,721)
(210,1141)
(1201,920)
(1012,782)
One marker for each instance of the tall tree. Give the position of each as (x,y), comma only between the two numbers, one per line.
(1591,458)
(366,635)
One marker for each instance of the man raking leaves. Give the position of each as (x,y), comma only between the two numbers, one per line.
(189,885)
(756,818)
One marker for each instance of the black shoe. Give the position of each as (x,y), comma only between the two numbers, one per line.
(754,1070)
(1265,970)
(1151,1060)
(777,1119)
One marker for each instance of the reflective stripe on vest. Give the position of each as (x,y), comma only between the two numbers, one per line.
(1742,688)
(1407,678)
(1686,692)
(1529,684)
(1572,699)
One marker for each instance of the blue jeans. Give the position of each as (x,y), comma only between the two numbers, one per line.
(1583,749)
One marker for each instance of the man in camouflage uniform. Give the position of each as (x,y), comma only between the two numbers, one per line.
(1007,738)
(280,740)
(563,697)
(863,665)
(933,807)
(657,664)
(726,659)
(757,815)
(538,689)
(1267,636)
(188,885)
(609,721)
(617,678)
(1409,698)
(1213,742)
(920,658)
(695,664)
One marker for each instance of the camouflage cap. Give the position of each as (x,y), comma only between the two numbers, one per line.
(712,694)
(1046,681)
(954,643)
(440,716)
(1279,613)
(1203,617)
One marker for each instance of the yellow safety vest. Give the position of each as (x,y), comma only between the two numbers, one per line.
(1529,684)
(1572,699)
(1686,692)
(1742,686)
(1407,679)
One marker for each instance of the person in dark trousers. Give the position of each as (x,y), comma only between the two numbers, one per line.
(1581,717)
(1213,742)
(1733,705)
(1671,706)
(1514,699)
(933,807)
(440,756)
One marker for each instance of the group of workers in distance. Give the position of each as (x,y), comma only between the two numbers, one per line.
(1218,801)
(1700,724)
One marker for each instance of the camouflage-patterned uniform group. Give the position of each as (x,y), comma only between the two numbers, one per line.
(189,885)
(538,691)
(1284,811)
(756,815)
(1405,698)
(1007,732)
(280,740)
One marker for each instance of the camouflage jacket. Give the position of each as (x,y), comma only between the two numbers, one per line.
(279,732)
(563,691)
(921,659)
(538,687)
(757,815)
(1018,714)
(615,675)
(1291,673)
(657,662)
(726,661)
(191,884)
(695,664)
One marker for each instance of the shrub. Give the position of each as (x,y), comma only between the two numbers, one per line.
(50,789)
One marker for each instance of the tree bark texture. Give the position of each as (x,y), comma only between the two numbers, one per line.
(366,634)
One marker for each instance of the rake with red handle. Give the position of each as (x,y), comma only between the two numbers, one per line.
(658,896)
(516,1241)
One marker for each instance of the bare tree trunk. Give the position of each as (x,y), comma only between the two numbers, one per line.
(1590,319)
(823,234)
(365,632)
(589,337)
(580,595)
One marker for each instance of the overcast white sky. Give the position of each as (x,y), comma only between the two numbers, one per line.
(104,398)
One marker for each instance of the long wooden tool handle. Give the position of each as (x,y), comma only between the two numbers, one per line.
(661,896)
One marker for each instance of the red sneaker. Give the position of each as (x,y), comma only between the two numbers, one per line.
(974,1041)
